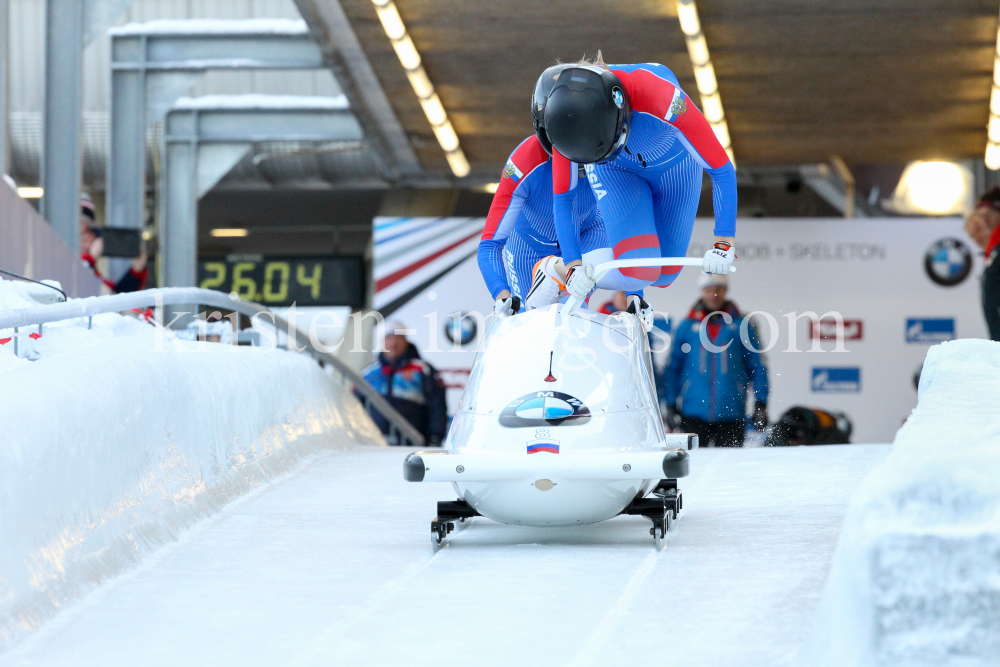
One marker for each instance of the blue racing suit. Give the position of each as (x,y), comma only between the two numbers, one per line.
(648,195)
(520,228)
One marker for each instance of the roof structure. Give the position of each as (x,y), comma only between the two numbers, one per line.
(801,80)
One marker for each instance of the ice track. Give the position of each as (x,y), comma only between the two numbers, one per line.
(332,565)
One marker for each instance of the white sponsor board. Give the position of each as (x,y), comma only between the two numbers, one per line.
(875,272)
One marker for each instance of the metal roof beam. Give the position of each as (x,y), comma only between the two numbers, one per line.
(345,57)
(282,121)
(200,45)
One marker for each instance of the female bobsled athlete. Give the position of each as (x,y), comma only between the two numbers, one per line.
(645,145)
(519,238)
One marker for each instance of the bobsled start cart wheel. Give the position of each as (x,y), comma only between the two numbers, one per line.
(657,532)
(661,525)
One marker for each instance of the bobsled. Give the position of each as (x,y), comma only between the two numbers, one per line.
(559,425)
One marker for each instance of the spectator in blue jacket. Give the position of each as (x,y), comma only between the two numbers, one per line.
(706,385)
(411,385)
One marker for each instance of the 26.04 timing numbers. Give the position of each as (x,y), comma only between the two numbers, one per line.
(275,283)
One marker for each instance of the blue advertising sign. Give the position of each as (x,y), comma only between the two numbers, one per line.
(930,329)
(836,380)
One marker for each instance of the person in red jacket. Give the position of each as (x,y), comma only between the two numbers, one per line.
(92,247)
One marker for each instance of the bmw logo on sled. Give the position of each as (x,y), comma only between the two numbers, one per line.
(559,425)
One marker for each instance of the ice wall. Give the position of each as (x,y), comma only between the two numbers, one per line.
(113,442)
(916,576)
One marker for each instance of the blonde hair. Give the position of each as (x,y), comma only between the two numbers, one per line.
(598,61)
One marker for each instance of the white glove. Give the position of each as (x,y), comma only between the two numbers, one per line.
(718,259)
(507,306)
(580,282)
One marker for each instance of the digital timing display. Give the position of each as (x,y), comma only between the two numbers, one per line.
(282,281)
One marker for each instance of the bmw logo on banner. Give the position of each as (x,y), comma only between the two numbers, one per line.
(545,408)
(948,262)
(460,328)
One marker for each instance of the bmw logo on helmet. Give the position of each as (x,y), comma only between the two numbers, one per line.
(460,328)
(948,262)
(617,97)
(545,408)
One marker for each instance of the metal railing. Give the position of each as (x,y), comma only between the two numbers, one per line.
(155,298)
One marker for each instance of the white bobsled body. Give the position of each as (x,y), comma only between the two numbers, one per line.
(566,444)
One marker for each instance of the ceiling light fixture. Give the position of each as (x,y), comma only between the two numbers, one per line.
(409,57)
(231,232)
(30,193)
(934,188)
(704,73)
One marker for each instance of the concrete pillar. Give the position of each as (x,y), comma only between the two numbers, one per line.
(61,153)
(4,78)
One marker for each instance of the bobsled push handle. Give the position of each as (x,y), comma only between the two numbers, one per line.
(602,270)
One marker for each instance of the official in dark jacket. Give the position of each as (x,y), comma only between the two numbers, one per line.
(983,226)
(706,385)
(991,285)
(411,385)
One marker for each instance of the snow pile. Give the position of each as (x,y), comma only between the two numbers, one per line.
(202,330)
(916,576)
(23,294)
(13,294)
(57,337)
(118,438)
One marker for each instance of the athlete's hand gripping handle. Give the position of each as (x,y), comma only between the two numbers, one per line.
(580,282)
(719,258)
(507,306)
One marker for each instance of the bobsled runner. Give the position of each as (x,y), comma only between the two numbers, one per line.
(560,425)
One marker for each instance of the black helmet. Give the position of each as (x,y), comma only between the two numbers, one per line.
(583,111)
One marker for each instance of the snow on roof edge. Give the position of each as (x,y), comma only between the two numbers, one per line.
(213,27)
(258,101)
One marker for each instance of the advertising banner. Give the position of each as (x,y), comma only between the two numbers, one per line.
(899,285)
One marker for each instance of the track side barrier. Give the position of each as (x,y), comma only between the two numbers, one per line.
(114,444)
(167,296)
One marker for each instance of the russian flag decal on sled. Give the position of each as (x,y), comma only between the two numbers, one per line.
(550,446)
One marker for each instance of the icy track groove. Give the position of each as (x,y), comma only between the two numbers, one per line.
(332,565)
